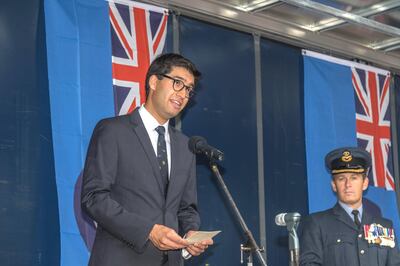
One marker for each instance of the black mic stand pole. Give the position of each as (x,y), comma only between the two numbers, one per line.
(251,245)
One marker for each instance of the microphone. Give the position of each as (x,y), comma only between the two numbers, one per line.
(283,219)
(291,221)
(199,145)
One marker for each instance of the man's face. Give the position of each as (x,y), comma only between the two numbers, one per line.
(349,188)
(165,103)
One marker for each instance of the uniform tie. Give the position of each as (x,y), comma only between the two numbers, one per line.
(162,157)
(356,219)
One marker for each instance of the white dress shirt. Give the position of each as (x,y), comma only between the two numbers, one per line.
(150,123)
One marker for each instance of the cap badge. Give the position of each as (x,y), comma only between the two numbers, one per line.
(346,157)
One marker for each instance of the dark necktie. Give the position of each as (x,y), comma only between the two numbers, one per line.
(162,157)
(356,220)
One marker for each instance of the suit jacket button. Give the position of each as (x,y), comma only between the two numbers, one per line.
(339,240)
(360,235)
(362,252)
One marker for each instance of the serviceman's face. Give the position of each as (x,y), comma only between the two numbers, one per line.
(349,188)
(166,102)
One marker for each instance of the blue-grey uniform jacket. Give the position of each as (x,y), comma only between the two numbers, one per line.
(331,238)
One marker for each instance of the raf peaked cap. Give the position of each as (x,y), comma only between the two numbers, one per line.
(348,160)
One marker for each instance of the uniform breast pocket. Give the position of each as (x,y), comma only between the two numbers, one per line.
(382,254)
(340,250)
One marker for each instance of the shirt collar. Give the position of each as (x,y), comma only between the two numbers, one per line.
(349,210)
(150,123)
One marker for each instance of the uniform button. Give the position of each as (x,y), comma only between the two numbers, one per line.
(362,252)
(338,240)
(360,235)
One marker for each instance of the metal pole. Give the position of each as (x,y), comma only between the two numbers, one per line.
(395,139)
(251,241)
(260,142)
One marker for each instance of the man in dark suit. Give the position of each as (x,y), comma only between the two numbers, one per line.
(348,234)
(139,182)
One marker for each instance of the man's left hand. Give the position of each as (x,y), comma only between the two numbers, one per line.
(198,248)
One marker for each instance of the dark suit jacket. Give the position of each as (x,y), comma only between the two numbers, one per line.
(122,192)
(331,238)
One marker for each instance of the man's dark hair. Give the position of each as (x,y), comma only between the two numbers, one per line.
(163,65)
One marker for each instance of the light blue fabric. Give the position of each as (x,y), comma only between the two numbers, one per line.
(79,69)
(329,123)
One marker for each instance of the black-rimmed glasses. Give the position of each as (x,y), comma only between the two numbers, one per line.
(178,85)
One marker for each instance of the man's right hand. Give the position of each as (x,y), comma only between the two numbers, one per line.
(165,238)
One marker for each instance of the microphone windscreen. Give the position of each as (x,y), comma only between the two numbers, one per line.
(193,143)
(280,219)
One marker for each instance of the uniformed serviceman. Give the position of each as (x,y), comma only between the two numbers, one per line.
(348,234)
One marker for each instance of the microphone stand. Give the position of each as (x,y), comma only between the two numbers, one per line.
(251,245)
(294,259)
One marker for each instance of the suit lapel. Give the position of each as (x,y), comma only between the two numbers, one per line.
(342,216)
(174,162)
(144,139)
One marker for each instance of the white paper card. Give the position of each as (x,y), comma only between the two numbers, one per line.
(201,235)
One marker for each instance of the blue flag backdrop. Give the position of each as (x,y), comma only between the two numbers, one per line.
(94,72)
(347,104)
